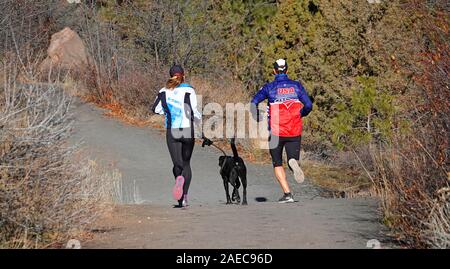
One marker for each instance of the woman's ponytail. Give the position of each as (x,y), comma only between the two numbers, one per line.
(174,82)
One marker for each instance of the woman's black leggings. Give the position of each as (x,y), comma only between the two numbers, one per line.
(181,144)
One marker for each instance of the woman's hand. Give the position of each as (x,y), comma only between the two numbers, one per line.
(206,141)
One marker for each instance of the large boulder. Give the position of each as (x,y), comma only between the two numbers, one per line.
(66,52)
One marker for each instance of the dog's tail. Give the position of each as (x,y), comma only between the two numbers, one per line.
(234,149)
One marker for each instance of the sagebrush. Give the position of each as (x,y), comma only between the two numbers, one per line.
(48,190)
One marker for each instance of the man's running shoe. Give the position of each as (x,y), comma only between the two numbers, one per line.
(299,176)
(287,198)
(177,191)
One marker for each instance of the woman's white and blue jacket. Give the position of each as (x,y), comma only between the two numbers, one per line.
(179,105)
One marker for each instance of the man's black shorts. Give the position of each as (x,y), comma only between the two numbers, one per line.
(277,143)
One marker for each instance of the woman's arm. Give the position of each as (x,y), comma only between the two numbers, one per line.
(198,128)
(193,100)
(157,105)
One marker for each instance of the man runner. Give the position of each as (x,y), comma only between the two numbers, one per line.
(288,102)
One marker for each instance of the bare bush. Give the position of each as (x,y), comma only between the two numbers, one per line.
(130,96)
(116,79)
(48,191)
(403,177)
(411,172)
(25,23)
(438,224)
(220,90)
(410,176)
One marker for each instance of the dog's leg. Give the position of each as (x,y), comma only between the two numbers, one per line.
(244,187)
(236,189)
(234,180)
(236,196)
(227,190)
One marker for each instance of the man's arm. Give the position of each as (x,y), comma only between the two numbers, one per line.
(260,96)
(306,101)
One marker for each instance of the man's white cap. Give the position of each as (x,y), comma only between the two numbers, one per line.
(280,65)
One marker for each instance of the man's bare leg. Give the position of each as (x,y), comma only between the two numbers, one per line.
(280,174)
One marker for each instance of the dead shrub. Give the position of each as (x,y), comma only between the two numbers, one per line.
(137,90)
(409,182)
(47,191)
(410,173)
(128,98)
(220,90)
(438,223)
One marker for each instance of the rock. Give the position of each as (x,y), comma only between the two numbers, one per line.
(66,52)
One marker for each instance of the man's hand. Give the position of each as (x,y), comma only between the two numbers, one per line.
(206,142)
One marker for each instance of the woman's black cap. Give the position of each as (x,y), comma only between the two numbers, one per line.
(176,70)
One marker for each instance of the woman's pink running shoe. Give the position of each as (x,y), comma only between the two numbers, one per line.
(177,191)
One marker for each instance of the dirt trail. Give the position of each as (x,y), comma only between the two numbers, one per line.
(147,220)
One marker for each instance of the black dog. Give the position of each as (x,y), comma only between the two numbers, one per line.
(233,171)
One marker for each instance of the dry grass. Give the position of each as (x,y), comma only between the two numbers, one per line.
(221,90)
(48,191)
(414,193)
(128,98)
(341,182)
(438,223)
(411,172)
